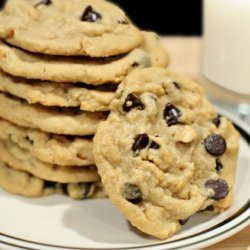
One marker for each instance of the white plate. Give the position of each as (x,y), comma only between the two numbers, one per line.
(57,222)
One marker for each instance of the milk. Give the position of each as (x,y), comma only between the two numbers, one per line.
(226,46)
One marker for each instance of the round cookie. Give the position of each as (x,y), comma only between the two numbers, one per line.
(51,148)
(49,119)
(158,151)
(96,71)
(21,159)
(22,183)
(60,27)
(58,94)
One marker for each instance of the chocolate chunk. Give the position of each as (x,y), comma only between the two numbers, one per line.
(219,165)
(215,144)
(183,222)
(141,141)
(177,85)
(89,15)
(132,193)
(216,121)
(171,114)
(135,64)
(132,101)
(220,188)
(154,145)
(45,2)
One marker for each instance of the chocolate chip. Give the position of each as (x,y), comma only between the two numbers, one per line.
(219,165)
(154,145)
(171,114)
(132,193)
(215,144)
(45,2)
(216,121)
(183,222)
(220,188)
(89,15)
(141,141)
(65,188)
(135,64)
(27,138)
(86,189)
(177,85)
(132,101)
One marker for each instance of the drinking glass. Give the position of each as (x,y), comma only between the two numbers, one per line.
(226,53)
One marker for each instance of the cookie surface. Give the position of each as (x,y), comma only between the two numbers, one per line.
(50,148)
(18,62)
(84,26)
(21,159)
(157,152)
(18,182)
(152,45)
(51,120)
(22,183)
(58,94)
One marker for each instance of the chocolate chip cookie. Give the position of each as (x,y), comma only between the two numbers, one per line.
(98,71)
(22,183)
(161,155)
(21,159)
(51,148)
(56,120)
(62,27)
(85,97)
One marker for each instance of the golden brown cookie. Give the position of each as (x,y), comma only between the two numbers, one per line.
(62,27)
(51,148)
(161,154)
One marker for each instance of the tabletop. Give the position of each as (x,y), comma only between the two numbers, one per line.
(185,58)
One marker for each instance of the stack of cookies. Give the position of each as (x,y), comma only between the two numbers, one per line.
(61,62)
(161,149)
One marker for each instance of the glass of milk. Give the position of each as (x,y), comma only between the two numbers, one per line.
(226,52)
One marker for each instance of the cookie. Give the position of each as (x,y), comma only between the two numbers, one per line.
(152,45)
(58,94)
(21,159)
(18,62)
(60,27)
(51,148)
(49,119)
(22,183)
(158,151)
(18,182)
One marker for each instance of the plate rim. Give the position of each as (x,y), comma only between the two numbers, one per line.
(228,227)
